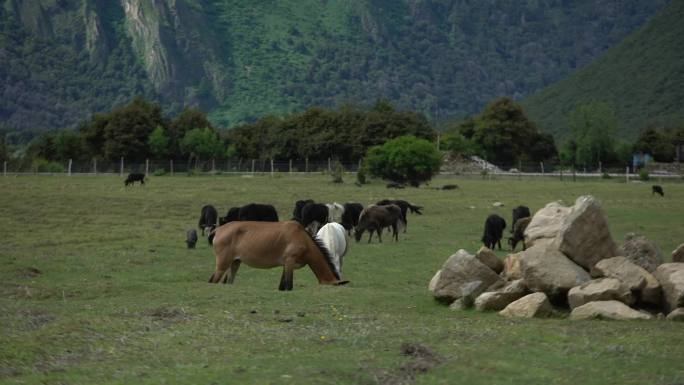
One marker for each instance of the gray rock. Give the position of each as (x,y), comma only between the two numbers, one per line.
(498,300)
(671,277)
(546,223)
(458,305)
(678,254)
(489,258)
(529,306)
(652,293)
(676,315)
(602,289)
(615,310)
(511,269)
(545,269)
(644,285)
(433,282)
(463,275)
(642,252)
(584,235)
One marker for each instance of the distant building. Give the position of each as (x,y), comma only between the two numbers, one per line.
(640,160)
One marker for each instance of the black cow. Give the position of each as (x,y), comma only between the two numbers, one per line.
(519,212)
(208,218)
(350,216)
(656,189)
(232,215)
(493,231)
(314,215)
(404,206)
(394,185)
(191,238)
(258,212)
(134,177)
(299,205)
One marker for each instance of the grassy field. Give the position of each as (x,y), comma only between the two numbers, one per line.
(96,286)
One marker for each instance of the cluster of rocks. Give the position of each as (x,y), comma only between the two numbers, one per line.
(571,263)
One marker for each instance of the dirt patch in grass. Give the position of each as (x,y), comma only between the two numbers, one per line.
(29,272)
(167,314)
(421,360)
(35,319)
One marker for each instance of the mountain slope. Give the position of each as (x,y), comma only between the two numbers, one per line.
(65,59)
(642,77)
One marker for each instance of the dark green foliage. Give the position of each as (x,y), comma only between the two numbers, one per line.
(319,134)
(188,119)
(657,143)
(158,143)
(505,135)
(593,127)
(128,128)
(641,78)
(245,59)
(201,143)
(406,159)
(457,144)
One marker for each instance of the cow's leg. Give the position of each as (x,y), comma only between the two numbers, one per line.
(379,230)
(230,277)
(286,279)
(395,232)
(223,262)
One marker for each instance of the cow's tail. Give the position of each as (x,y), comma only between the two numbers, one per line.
(210,237)
(415,209)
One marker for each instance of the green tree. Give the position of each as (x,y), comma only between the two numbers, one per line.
(158,143)
(457,144)
(404,159)
(128,129)
(189,119)
(657,143)
(593,126)
(68,145)
(201,143)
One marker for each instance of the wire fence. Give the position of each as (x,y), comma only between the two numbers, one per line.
(297,166)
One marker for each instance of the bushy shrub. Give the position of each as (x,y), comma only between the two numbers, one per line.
(405,159)
(337,172)
(643,175)
(159,172)
(361,176)
(605,175)
(44,165)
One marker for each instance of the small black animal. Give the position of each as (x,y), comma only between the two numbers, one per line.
(519,212)
(449,187)
(191,238)
(232,215)
(258,212)
(395,185)
(134,177)
(314,216)
(493,231)
(208,218)
(299,205)
(519,233)
(404,206)
(656,189)
(350,216)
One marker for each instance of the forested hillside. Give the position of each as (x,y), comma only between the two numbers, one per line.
(63,60)
(642,79)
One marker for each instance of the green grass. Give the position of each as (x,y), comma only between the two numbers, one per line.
(119,299)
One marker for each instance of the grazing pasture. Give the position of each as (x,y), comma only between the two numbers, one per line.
(97,286)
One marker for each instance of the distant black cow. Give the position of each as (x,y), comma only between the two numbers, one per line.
(134,177)
(404,206)
(350,216)
(191,238)
(258,212)
(394,185)
(299,205)
(208,218)
(493,231)
(519,212)
(519,233)
(314,215)
(449,187)
(656,189)
(232,215)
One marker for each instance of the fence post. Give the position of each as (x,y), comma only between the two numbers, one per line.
(171,166)
(600,167)
(561,172)
(306,167)
(627,174)
(359,168)
(252,166)
(213,164)
(290,166)
(70,162)
(573,174)
(329,168)
(95,166)
(4,168)
(271,167)
(147,168)
(121,169)
(541,164)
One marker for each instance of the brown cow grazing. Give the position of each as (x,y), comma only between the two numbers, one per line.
(265,245)
(376,218)
(519,233)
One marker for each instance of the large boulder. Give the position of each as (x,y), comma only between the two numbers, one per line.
(641,251)
(607,310)
(584,235)
(545,223)
(512,267)
(489,258)
(602,289)
(498,300)
(545,269)
(652,293)
(678,254)
(433,282)
(463,271)
(671,277)
(640,282)
(529,306)
(676,315)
